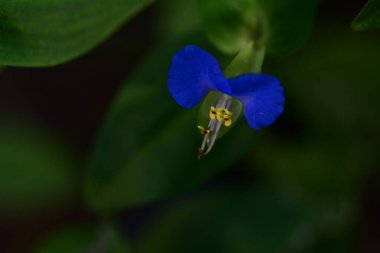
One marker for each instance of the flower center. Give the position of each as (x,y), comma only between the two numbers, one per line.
(219,115)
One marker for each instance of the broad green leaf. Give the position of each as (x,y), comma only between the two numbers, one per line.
(45,32)
(280,26)
(81,239)
(147,148)
(241,221)
(369,17)
(36,170)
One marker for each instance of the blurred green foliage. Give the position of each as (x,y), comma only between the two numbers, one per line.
(280,26)
(369,17)
(82,239)
(68,240)
(163,145)
(302,180)
(230,220)
(37,172)
(177,18)
(44,32)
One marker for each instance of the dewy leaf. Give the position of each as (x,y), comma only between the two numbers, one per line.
(280,26)
(147,148)
(45,32)
(228,221)
(369,17)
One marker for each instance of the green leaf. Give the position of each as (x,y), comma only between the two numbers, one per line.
(369,17)
(45,32)
(37,171)
(280,26)
(147,148)
(242,221)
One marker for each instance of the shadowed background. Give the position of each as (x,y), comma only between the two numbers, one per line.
(309,183)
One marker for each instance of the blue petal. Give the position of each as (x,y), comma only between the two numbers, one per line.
(262,96)
(192,74)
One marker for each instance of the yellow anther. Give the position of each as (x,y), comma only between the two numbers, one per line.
(227,112)
(213,112)
(203,130)
(227,122)
(222,114)
(226,117)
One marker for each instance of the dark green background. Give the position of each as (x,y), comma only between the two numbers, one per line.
(95,154)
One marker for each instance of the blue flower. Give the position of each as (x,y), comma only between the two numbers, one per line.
(194,73)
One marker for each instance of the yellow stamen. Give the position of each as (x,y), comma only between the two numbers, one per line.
(222,114)
(203,130)
(227,112)
(213,112)
(228,122)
